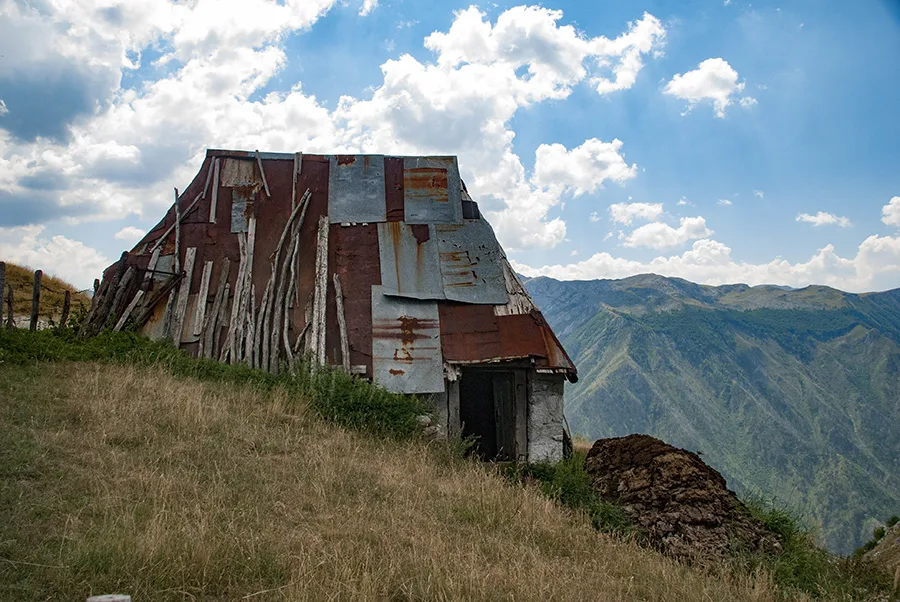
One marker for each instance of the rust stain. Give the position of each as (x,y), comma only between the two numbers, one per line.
(396,372)
(405,329)
(345,159)
(420,231)
(427,182)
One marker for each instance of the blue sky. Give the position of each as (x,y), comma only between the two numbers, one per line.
(710,140)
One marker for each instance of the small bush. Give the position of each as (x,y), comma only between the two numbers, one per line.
(893,521)
(335,395)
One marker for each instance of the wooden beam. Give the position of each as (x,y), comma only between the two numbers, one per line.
(119,298)
(169,230)
(209,341)
(148,275)
(200,313)
(35,299)
(262,174)
(321,292)
(213,204)
(342,323)
(184,291)
(67,305)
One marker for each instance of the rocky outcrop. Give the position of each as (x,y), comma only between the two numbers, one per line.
(681,505)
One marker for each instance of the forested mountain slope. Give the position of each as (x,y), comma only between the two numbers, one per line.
(789,393)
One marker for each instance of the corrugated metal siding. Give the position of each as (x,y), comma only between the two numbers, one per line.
(431,190)
(356,189)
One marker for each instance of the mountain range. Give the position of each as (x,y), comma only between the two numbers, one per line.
(792,394)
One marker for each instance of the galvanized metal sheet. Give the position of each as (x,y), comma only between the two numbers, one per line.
(240,205)
(406,344)
(471,268)
(356,189)
(237,172)
(431,190)
(409,261)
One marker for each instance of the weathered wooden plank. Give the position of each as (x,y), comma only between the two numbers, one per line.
(321,292)
(236,300)
(184,291)
(35,299)
(262,175)
(154,258)
(9,308)
(213,204)
(208,344)
(67,305)
(200,313)
(342,323)
(118,301)
(251,328)
(183,215)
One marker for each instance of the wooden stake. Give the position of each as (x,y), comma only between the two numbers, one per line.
(148,275)
(202,298)
(342,323)
(213,205)
(208,345)
(262,174)
(177,234)
(168,231)
(184,291)
(9,309)
(321,291)
(119,298)
(67,302)
(35,299)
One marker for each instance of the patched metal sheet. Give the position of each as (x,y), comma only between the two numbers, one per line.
(471,268)
(409,261)
(356,189)
(431,190)
(241,205)
(237,172)
(406,344)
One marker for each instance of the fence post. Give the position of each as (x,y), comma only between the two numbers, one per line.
(35,299)
(9,309)
(67,302)
(2,288)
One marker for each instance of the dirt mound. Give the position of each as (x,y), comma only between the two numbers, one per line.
(682,505)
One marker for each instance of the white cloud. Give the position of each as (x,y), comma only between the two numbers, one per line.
(594,217)
(659,235)
(713,80)
(824,219)
(758,193)
(71,260)
(367,7)
(875,267)
(582,169)
(724,202)
(683,201)
(574,253)
(130,234)
(626,213)
(890,213)
(3,109)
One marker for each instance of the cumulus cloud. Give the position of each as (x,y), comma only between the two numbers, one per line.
(724,202)
(890,213)
(69,259)
(713,80)
(875,266)
(758,194)
(582,169)
(824,219)
(130,234)
(659,235)
(626,213)
(595,217)
(367,7)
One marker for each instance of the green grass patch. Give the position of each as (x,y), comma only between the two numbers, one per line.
(334,395)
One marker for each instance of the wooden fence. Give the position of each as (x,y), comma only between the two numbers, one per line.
(36,289)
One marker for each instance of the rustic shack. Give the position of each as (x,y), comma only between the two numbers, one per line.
(381,265)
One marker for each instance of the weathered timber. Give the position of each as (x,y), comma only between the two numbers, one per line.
(35,299)
(3,287)
(229,349)
(213,204)
(342,323)
(210,339)
(67,305)
(276,334)
(321,292)
(179,217)
(148,276)
(289,298)
(249,355)
(116,307)
(262,175)
(202,297)
(259,343)
(9,308)
(209,173)
(143,313)
(184,291)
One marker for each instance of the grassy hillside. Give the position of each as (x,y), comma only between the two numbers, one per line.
(52,292)
(173,487)
(788,393)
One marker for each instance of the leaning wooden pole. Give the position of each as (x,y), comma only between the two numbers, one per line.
(35,299)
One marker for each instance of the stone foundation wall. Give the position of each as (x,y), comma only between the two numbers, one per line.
(545,417)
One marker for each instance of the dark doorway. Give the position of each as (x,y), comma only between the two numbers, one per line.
(487,412)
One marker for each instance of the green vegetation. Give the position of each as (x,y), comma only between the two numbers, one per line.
(568,483)
(333,394)
(53,291)
(878,534)
(788,392)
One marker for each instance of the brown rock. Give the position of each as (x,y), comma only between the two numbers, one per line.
(682,505)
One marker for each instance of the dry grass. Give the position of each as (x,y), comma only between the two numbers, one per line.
(52,292)
(130,480)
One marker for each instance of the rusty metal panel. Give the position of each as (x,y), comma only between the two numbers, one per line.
(471,267)
(431,190)
(393,188)
(409,261)
(469,333)
(356,189)
(406,344)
